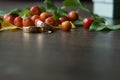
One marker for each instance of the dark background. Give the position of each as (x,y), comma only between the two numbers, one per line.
(28,3)
(38,0)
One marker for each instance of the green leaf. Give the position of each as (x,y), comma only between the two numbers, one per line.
(25,13)
(77,22)
(97,26)
(55,15)
(114,27)
(99,19)
(15,11)
(71,3)
(61,12)
(77,4)
(43,9)
(56,11)
(50,6)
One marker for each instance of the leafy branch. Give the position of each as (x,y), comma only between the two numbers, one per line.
(56,11)
(99,23)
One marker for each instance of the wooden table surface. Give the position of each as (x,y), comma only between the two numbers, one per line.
(76,55)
